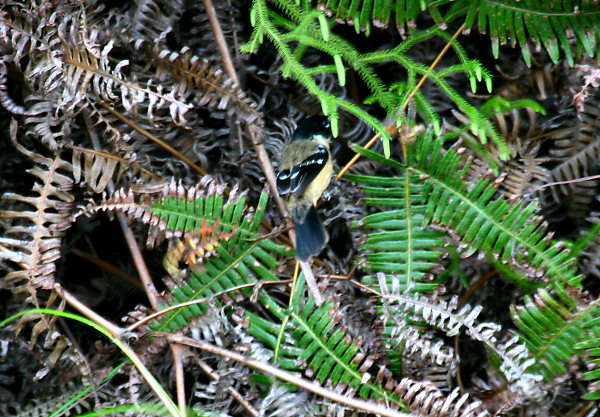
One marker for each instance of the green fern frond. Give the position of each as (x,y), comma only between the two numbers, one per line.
(555,327)
(243,258)
(509,232)
(552,25)
(308,27)
(590,343)
(313,339)
(310,337)
(398,244)
(572,26)
(378,12)
(238,253)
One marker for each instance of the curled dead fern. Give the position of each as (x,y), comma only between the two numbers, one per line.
(452,319)
(35,244)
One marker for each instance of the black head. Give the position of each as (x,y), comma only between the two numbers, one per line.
(315,125)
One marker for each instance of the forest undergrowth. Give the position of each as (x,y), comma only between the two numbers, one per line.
(148,264)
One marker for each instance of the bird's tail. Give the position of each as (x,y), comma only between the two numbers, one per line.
(311,236)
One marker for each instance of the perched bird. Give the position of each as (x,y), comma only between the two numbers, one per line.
(304,173)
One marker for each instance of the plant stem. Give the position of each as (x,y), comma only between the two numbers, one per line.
(369,407)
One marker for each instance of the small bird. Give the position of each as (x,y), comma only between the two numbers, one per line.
(304,174)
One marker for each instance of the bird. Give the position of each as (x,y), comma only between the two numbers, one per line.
(304,173)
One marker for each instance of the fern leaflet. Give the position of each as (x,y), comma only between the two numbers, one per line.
(508,232)
(551,24)
(313,339)
(399,244)
(224,247)
(554,25)
(557,326)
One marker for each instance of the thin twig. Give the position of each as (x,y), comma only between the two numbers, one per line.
(178,351)
(364,287)
(108,267)
(215,26)
(369,407)
(566,182)
(140,263)
(74,302)
(199,301)
(340,277)
(153,138)
(265,161)
(311,282)
(259,148)
(390,128)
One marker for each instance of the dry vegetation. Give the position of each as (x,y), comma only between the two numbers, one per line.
(140,142)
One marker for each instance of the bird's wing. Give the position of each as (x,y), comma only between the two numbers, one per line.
(295,180)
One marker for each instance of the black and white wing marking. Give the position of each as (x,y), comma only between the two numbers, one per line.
(296,180)
(283,182)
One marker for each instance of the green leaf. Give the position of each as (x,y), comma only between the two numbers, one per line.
(556,327)
(312,339)
(341,71)
(508,231)
(398,243)
(546,22)
(242,258)
(505,21)
(324,26)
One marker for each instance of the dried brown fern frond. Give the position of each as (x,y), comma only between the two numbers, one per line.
(425,399)
(35,228)
(519,174)
(520,81)
(152,20)
(490,388)
(214,96)
(580,164)
(72,69)
(422,354)
(29,24)
(573,206)
(523,167)
(99,168)
(590,255)
(576,148)
(202,82)
(280,401)
(5,100)
(38,222)
(572,132)
(226,377)
(64,361)
(447,316)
